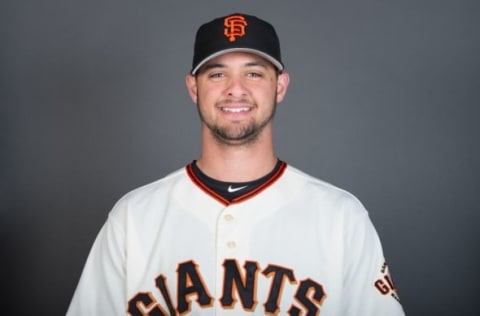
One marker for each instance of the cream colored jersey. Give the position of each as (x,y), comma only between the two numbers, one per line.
(294,246)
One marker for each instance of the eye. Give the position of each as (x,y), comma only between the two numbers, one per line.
(254,74)
(216,75)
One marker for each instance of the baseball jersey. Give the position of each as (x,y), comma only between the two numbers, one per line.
(296,245)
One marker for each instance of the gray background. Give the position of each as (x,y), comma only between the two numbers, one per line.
(383,102)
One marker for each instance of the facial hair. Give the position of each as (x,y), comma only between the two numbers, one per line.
(244,135)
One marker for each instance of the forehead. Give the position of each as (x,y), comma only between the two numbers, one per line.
(244,59)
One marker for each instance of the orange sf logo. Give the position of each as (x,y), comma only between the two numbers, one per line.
(235,26)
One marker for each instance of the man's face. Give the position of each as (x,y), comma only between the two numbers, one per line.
(236,95)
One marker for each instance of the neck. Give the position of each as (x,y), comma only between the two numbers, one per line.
(237,163)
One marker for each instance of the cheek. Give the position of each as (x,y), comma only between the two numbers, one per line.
(270,94)
(203,99)
(210,96)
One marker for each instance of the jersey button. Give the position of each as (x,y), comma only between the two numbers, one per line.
(231,244)
(228,217)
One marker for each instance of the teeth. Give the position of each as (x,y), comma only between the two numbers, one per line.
(235,110)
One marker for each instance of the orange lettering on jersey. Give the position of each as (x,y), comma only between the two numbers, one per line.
(278,275)
(161,283)
(240,284)
(144,304)
(384,283)
(243,284)
(234,26)
(310,294)
(190,283)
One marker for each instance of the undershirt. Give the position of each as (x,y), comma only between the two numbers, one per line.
(231,190)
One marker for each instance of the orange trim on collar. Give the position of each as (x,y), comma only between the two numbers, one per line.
(241,198)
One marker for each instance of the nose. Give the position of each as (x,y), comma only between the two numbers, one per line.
(236,87)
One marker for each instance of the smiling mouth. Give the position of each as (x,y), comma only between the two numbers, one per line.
(235,110)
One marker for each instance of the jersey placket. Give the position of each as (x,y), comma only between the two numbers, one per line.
(231,243)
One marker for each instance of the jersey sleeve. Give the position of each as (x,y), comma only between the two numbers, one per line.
(368,286)
(101,289)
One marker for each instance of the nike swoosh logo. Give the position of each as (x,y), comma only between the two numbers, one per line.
(231,190)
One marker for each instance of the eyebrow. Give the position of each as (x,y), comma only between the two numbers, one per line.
(209,66)
(258,63)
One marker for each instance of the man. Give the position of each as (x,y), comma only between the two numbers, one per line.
(237,231)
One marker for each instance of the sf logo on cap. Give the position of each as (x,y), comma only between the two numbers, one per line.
(235,26)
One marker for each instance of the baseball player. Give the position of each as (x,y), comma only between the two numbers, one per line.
(237,231)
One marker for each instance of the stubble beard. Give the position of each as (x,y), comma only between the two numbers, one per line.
(237,136)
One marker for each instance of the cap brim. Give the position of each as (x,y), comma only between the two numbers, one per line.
(275,62)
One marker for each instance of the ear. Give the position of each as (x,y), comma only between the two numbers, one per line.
(282,85)
(191,83)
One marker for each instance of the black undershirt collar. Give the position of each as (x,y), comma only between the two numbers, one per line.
(231,190)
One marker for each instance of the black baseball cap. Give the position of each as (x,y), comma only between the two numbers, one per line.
(236,33)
